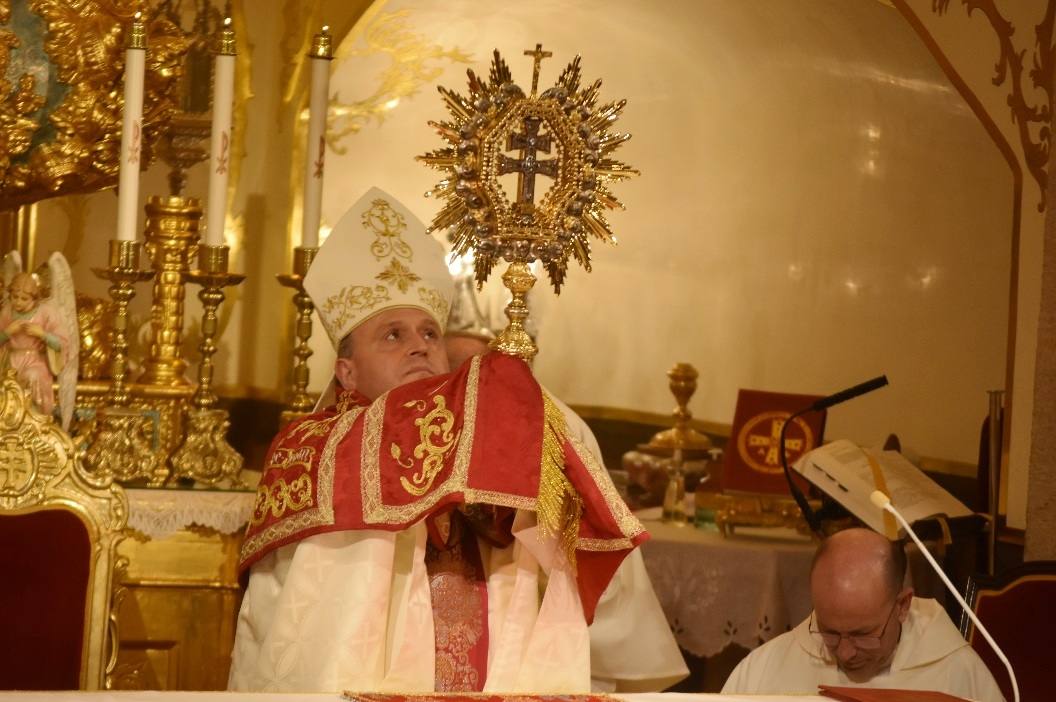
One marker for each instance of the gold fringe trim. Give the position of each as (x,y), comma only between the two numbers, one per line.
(559,505)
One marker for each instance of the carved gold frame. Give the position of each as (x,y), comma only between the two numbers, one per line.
(85,43)
(44,474)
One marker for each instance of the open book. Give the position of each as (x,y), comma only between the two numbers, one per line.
(849,474)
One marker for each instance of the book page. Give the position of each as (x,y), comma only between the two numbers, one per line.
(843,471)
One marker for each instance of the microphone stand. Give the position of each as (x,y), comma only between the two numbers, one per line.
(883,502)
(812,518)
(813,521)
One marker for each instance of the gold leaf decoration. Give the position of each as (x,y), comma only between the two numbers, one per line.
(62,134)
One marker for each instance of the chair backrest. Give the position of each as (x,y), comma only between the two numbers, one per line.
(59,536)
(1018,608)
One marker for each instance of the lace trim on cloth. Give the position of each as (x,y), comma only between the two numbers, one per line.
(160,513)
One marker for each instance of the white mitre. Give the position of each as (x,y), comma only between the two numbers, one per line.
(378,257)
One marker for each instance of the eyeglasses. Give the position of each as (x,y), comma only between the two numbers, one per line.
(860,641)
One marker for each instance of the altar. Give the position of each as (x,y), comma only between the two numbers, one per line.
(176,616)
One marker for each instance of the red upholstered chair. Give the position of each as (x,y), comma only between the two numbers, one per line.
(1018,608)
(58,541)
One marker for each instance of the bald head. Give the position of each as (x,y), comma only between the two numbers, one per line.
(856,556)
(856,586)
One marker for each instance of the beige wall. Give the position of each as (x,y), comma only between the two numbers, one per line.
(971,47)
(818,205)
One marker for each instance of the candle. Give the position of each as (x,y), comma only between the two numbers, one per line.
(131,132)
(320,56)
(220,149)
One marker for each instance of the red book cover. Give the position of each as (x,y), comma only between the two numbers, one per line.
(752,460)
(864,694)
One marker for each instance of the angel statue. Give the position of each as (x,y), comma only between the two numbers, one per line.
(38,334)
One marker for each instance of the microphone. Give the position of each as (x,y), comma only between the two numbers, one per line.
(882,501)
(849,394)
(813,520)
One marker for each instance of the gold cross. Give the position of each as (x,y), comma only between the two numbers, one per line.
(538,55)
(769,446)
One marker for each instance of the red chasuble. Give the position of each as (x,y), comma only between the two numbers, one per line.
(485,434)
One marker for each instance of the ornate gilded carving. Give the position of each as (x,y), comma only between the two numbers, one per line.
(39,470)
(1033,117)
(94,317)
(165,409)
(72,145)
(171,240)
(120,446)
(205,456)
(435,441)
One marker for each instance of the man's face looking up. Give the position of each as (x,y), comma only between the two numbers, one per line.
(391,349)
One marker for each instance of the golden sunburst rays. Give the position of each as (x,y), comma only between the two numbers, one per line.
(560,146)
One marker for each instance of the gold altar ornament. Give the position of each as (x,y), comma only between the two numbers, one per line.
(496,117)
(61,112)
(118,445)
(171,240)
(301,401)
(682,437)
(205,455)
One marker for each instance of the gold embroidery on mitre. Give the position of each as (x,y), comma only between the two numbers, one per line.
(399,275)
(436,424)
(351,301)
(387,225)
(435,300)
(280,497)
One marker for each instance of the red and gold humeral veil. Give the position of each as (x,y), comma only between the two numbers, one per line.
(485,434)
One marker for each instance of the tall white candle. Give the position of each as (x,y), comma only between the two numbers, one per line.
(131,132)
(220,151)
(320,56)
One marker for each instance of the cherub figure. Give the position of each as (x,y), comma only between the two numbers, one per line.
(38,335)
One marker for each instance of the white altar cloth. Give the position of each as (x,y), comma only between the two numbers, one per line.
(161,512)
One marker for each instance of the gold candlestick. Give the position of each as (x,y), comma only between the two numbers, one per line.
(171,241)
(119,445)
(205,455)
(300,401)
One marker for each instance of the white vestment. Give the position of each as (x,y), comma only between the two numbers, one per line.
(352,610)
(931,655)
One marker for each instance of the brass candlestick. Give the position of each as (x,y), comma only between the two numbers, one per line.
(119,446)
(301,401)
(205,455)
(171,239)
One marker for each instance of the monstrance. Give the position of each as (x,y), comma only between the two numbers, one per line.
(496,130)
